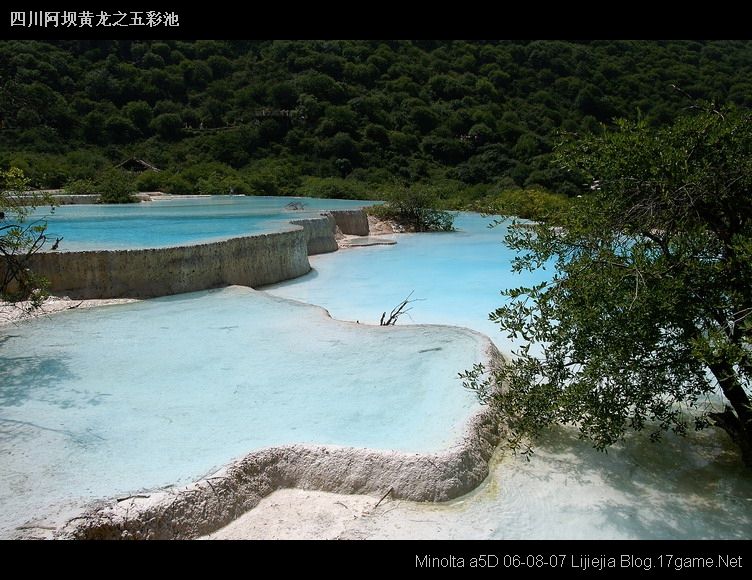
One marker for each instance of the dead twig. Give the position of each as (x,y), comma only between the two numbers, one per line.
(132,497)
(383,497)
(397,311)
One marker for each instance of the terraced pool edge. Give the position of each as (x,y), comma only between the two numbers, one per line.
(212,502)
(254,260)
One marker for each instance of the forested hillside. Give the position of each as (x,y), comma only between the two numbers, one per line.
(340,118)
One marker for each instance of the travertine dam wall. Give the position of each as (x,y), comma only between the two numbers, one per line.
(319,234)
(253,261)
(352,221)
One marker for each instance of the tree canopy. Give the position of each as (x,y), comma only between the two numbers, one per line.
(273,117)
(647,320)
(20,238)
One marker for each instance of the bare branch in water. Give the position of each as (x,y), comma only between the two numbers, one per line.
(397,311)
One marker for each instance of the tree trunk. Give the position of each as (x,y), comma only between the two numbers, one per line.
(737,422)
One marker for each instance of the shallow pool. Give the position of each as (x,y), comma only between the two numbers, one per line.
(107,401)
(455,278)
(102,402)
(682,488)
(176,221)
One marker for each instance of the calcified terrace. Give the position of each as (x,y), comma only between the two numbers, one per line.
(437,465)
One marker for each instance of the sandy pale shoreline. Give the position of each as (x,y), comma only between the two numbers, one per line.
(296,514)
(19,312)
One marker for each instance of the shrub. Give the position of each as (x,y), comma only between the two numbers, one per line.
(415,209)
(215,184)
(81,187)
(112,186)
(150,181)
(334,188)
(533,203)
(178,185)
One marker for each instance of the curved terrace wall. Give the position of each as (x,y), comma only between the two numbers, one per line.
(352,221)
(209,504)
(248,261)
(319,234)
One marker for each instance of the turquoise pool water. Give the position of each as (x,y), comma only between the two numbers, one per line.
(98,403)
(679,489)
(107,401)
(177,221)
(455,278)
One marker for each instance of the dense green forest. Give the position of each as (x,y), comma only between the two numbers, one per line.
(341,118)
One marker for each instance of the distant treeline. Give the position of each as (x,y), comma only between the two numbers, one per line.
(341,118)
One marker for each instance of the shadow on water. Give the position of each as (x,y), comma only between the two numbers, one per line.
(24,378)
(692,487)
(41,380)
